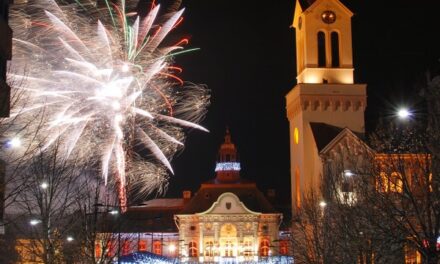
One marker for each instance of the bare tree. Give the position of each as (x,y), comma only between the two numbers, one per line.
(46,205)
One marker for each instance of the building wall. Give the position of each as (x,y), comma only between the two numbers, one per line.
(227,231)
(5,55)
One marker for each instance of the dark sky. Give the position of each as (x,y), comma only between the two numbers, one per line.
(247,59)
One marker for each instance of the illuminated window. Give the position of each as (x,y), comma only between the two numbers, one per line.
(412,256)
(126,248)
(98,250)
(396,184)
(335,49)
(247,248)
(284,247)
(264,248)
(111,248)
(192,249)
(392,183)
(321,49)
(296,135)
(157,247)
(430,182)
(229,248)
(297,189)
(142,245)
(209,249)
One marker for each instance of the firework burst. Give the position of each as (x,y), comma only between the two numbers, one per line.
(100,84)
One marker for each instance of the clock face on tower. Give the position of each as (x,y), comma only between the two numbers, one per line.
(328,17)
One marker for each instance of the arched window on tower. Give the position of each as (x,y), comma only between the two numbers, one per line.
(335,49)
(297,189)
(321,49)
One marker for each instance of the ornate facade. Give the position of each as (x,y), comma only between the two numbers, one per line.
(228,219)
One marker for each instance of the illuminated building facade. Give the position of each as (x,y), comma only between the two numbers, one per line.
(228,220)
(326,96)
(326,112)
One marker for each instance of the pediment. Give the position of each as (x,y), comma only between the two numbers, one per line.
(330,4)
(347,138)
(228,203)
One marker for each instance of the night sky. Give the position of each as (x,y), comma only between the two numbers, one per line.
(247,59)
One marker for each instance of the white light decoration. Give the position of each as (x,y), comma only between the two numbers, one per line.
(44,185)
(323,204)
(227,166)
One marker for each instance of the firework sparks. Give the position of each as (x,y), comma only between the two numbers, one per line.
(101,85)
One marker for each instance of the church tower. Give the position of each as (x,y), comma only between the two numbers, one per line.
(325,94)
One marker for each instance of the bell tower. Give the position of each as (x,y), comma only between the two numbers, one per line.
(325,92)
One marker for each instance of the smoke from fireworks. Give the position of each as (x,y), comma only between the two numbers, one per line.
(100,84)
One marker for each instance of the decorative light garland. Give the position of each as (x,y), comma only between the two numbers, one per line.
(227,166)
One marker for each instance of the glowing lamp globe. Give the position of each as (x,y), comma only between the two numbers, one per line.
(403,113)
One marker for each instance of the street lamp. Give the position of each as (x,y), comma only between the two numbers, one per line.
(113,212)
(44,185)
(70,239)
(348,173)
(322,204)
(34,222)
(403,113)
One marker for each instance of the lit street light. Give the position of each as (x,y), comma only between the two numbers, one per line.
(323,204)
(114,212)
(14,142)
(34,222)
(44,185)
(348,173)
(403,113)
(69,239)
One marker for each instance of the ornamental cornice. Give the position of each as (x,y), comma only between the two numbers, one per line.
(334,103)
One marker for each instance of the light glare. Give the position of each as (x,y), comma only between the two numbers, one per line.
(403,113)
(44,185)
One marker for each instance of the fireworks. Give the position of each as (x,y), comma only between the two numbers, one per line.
(99,84)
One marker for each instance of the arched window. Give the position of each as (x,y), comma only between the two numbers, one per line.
(297,189)
(396,183)
(284,247)
(157,247)
(229,248)
(264,248)
(192,249)
(247,248)
(335,49)
(321,49)
(126,247)
(111,248)
(142,245)
(209,249)
(98,250)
